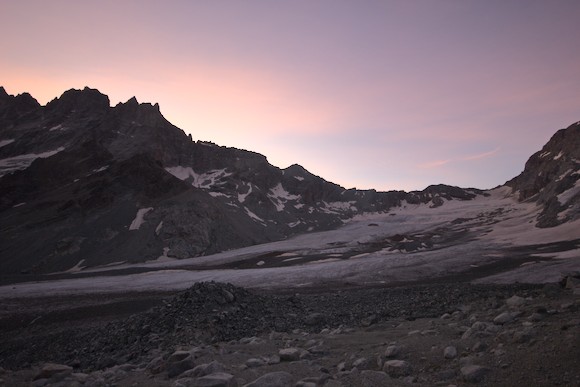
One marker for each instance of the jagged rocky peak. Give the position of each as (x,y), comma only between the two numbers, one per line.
(557,161)
(141,113)
(85,101)
(550,178)
(13,107)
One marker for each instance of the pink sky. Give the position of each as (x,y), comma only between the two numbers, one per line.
(367,94)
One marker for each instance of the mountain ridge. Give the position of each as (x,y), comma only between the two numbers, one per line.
(77,174)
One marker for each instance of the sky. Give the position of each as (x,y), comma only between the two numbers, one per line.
(389,95)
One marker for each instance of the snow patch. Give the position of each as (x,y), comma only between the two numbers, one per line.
(299,178)
(567,195)
(139,218)
(559,155)
(158,228)
(545,154)
(564,174)
(337,207)
(76,268)
(101,169)
(254,216)
(20,162)
(216,194)
(57,127)
(242,197)
(279,196)
(6,142)
(19,204)
(204,180)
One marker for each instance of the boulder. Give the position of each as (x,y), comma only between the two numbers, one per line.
(474,373)
(397,368)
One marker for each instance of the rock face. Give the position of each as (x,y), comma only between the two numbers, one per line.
(550,178)
(84,184)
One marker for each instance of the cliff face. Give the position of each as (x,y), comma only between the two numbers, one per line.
(550,178)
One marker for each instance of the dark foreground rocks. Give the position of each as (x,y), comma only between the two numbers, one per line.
(220,335)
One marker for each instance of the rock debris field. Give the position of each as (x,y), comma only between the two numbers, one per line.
(215,334)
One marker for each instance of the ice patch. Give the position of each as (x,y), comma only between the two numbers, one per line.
(6,142)
(20,162)
(139,218)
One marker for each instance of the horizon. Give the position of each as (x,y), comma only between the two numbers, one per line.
(376,95)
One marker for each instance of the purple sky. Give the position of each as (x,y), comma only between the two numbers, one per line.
(367,94)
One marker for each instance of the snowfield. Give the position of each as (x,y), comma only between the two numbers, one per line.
(492,238)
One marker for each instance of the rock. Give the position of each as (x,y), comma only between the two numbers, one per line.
(479,346)
(290,354)
(177,368)
(503,318)
(254,362)
(474,373)
(362,363)
(341,367)
(274,359)
(392,351)
(523,335)
(515,301)
(370,320)
(450,352)
(178,356)
(314,319)
(397,368)
(446,375)
(218,379)
(205,369)
(156,365)
(50,370)
(272,379)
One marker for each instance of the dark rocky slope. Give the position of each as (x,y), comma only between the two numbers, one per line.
(84,184)
(550,178)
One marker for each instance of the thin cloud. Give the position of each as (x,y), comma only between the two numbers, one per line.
(482,155)
(434,164)
(440,163)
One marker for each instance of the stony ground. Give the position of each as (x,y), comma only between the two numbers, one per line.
(220,335)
